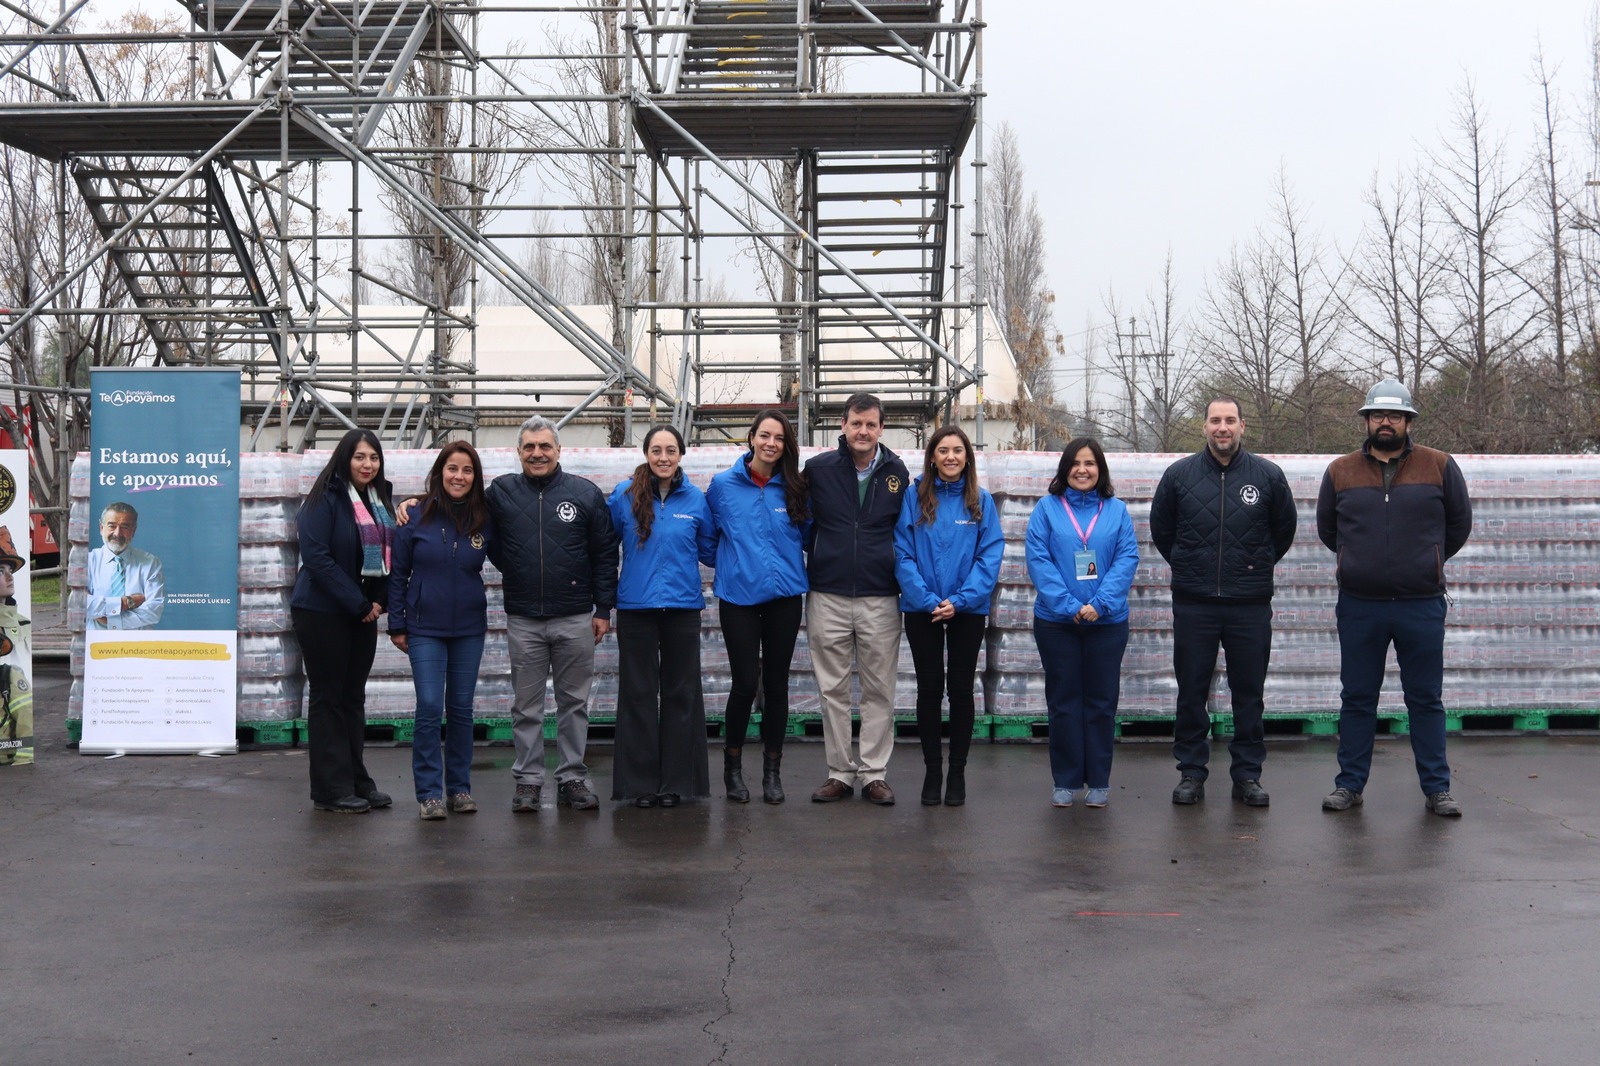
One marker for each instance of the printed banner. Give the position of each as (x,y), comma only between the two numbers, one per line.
(160,672)
(16,613)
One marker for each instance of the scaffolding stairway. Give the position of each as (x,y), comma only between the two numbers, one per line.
(885,216)
(187,263)
(345,56)
(718,57)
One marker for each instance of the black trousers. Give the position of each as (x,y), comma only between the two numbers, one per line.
(963,635)
(337,652)
(1244,632)
(661,712)
(760,641)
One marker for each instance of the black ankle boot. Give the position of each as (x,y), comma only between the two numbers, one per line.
(771,784)
(932,781)
(733,775)
(955,789)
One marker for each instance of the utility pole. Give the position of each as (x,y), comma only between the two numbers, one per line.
(1129,359)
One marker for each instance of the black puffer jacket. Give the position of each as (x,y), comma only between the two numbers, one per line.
(1222,528)
(554,545)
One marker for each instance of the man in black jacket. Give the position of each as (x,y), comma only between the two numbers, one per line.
(1222,518)
(853,611)
(556,550)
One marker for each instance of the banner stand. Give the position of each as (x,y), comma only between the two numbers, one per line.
(162,574)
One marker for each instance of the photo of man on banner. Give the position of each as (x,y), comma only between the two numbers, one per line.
(126,586)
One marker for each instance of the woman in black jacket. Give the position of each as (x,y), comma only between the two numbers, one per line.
(346,532)
(439,616)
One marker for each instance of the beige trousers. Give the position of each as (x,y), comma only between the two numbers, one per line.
(865,631)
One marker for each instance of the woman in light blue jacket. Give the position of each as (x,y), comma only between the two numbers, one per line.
(1082,556)
(947,548)
(666,532)
(760,508)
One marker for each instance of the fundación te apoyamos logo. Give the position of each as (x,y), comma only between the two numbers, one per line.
(124,397)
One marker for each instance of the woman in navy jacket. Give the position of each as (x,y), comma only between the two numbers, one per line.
(760,509)
(1082,556)
(947,549)
(666,532)
(346,532)
(439,616)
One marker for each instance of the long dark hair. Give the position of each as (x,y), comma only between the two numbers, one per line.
(339,468)
(643,487)
(1069,453)
(472,517)
(794,480)
(927,494)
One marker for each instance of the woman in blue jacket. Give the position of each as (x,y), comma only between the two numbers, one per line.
(947,549)
(666,531)
(759,505)
(439,616)
(1082,556)
(346,533)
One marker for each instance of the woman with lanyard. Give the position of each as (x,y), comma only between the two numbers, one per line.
(947,548)
(760,508)
(439,616)
(1082,556)
(666,532)
(346,532)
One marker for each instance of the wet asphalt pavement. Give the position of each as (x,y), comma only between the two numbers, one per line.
(186,910)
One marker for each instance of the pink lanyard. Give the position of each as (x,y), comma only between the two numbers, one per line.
(1074,520)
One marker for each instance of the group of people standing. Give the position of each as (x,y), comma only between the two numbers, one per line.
(864,552)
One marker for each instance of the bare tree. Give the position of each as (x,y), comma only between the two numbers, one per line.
(1395,276)
(1550,277)
(1487,315)
(1246,334)
(1172,377)
(1014,270)
(1315,308)
(44,226)
(446,172)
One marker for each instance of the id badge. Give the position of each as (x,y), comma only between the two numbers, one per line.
(1084,563)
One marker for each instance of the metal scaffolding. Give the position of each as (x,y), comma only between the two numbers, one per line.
(327,194)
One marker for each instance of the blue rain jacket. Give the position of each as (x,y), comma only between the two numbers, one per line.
(760,552)
(955,558)
(664,571)
(1052,543)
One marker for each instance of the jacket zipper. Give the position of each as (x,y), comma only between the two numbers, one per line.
(1222,525)
(861,509)
(541,549)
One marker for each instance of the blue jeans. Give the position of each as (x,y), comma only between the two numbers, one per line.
(445,673)
(1082,681)
(1416,629)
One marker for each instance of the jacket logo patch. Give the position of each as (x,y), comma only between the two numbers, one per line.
(1249,495)
(476,540)
(893,484)
(567,512)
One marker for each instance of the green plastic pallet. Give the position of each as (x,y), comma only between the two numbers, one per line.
(267,734)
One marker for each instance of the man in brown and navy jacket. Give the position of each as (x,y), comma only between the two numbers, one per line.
(1392,513)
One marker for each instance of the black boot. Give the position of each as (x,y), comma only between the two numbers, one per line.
(771,785)
(955,789)
(932,781)
(733,775)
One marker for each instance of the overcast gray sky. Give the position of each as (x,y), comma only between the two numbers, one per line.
(1145,125)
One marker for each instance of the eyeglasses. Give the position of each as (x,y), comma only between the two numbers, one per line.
(1386,416)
